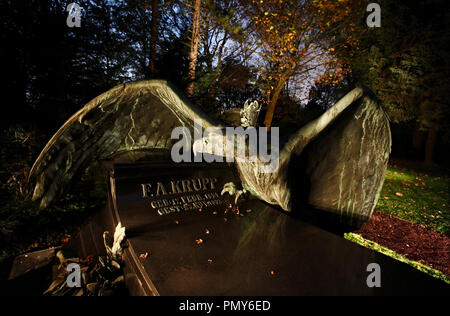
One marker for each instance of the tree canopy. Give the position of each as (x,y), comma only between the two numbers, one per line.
(283,53)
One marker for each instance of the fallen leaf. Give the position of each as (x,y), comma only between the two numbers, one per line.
(143,256)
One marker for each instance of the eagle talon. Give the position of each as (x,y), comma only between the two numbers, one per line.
(231,189)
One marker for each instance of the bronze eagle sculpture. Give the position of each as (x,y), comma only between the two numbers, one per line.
(343,153)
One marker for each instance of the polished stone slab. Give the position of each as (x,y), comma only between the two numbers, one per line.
(256,250)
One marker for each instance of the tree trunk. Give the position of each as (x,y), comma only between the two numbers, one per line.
(273,102)
(213,89)
(417,138)
(193,54)
(430,144)
(154,35)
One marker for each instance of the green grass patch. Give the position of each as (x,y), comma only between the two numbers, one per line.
(417,197)
(376,247)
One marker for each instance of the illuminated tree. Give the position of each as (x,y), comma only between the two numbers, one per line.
(193,53)
(302,39)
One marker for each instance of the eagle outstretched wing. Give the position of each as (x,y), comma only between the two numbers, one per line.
(132,116)
(347,148)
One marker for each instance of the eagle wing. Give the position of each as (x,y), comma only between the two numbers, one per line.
(132,116)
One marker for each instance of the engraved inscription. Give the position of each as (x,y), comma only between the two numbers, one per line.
(182,195)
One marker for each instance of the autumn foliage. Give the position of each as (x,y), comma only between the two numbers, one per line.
(300,39)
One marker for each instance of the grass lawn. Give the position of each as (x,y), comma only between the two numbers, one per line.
(376,247)
(417,197)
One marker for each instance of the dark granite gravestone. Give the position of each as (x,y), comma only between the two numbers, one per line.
(184,238)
